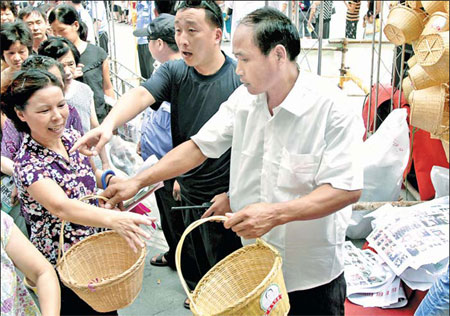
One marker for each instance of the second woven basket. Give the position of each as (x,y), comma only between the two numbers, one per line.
(247,282)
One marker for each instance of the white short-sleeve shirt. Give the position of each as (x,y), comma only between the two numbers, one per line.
(310,140)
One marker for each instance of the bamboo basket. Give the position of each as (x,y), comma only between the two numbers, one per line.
(404,25)
(414,4)
(240,284)
(429,109)
(407,87)
(102,269)
(433,6)
(438,22)
(433,55)
(412,61)
(446,4)
(420,79)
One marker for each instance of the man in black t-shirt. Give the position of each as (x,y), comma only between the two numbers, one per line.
(195,87)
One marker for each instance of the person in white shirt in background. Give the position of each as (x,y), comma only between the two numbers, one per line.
(86,18)
(294,172)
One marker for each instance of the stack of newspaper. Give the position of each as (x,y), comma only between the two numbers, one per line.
(412,245)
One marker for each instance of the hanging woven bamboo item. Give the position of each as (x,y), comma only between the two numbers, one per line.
(404,25)
(436,23)
(432,52)
(434,6)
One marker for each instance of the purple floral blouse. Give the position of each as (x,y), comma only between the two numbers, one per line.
(12,139)
(35,162)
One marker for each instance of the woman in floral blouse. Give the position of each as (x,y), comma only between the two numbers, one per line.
(50,180)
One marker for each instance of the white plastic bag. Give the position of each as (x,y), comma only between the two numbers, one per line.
(440,178)
(122,156)
(384,157)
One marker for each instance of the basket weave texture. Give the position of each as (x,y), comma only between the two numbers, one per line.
(432,53)
(429,109)
(446,6)
(103,271)
(404,25)
(238,284)
(420,79)
(412,61)
(438,22)
(407,87)
(434,6)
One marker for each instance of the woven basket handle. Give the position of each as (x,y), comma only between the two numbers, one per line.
(61,235)
(180,247)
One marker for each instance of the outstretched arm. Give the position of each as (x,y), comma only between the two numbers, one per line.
(36,268)
(127,107)
(179,160)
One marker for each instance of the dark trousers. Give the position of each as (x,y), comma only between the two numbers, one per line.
(103,41)
(327,299)
(350,29)
(71,304)
(325,31)
(145,60)
(204,246)
(171,221)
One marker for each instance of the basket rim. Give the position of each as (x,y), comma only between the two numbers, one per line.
(412,10)
(276,265)
(118,278)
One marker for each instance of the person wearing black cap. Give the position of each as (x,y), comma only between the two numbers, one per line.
(156,136)
(195,87)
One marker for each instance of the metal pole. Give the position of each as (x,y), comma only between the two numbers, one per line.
(296,17)
(378,65)
(402,66)
(371,82)
(319,56)
(394,74)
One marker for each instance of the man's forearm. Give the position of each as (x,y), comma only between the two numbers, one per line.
(320,203)
(179,160)
(128,106)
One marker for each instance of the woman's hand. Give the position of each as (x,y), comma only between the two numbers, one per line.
(127,225)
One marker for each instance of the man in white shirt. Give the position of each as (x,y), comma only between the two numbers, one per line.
(293,169)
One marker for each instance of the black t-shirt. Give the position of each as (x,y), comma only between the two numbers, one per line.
(194,99)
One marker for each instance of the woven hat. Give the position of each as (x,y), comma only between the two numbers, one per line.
(429,109)
(433,6)
(432,54)
(414,4)
(438,22)
(420,78)
(404,25)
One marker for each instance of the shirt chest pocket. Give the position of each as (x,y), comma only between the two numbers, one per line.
(297,172)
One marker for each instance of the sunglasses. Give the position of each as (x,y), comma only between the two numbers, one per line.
(202,4)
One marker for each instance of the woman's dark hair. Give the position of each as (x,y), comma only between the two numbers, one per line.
(56,47)
(24,84)
(67,14)
(270,28)
(13,32)
(25,12)
(5,5)
(43,63)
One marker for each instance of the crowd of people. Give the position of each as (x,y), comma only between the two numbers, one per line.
(269,146)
